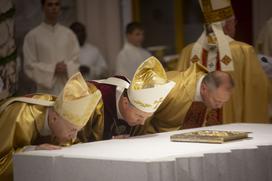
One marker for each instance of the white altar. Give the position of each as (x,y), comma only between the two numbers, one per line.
(155,158)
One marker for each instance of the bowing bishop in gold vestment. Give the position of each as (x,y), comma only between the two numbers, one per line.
(125,105)
(188,104)
(42,121)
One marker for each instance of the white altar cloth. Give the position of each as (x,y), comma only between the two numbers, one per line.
(154,158)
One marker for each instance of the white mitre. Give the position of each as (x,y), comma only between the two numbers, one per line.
(149,86)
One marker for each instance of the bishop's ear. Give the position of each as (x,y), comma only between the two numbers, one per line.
(125,101)
(53,115)
(203,87)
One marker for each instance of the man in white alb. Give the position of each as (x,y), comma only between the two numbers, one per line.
(51,51)
(132,54)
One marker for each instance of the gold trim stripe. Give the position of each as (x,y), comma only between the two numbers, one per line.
(211,15)
(218,15)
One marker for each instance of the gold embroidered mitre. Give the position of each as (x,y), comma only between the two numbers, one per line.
(216,10)
(149,85)
(76,102)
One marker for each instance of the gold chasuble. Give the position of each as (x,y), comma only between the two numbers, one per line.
(22,119)
(251,95)
(20,125)
(179,110)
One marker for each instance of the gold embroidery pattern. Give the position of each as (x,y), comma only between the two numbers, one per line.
(156,103)
(218,15)
(212,39)
(211,15)
(195,59)
(226,60)
(142,104)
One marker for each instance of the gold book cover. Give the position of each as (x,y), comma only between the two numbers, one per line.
(209,136)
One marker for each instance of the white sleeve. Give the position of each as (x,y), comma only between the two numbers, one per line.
(73,51)
(40,72)
(100,64)
(122,67)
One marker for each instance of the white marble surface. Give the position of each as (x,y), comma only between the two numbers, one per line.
(155,157)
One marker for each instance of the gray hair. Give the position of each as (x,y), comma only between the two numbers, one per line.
(216,79)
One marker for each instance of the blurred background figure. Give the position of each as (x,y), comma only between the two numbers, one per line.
(266,63)
(264,39)
(132,54)
(263,47)
(92,63)
(50,51)
(8,53)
